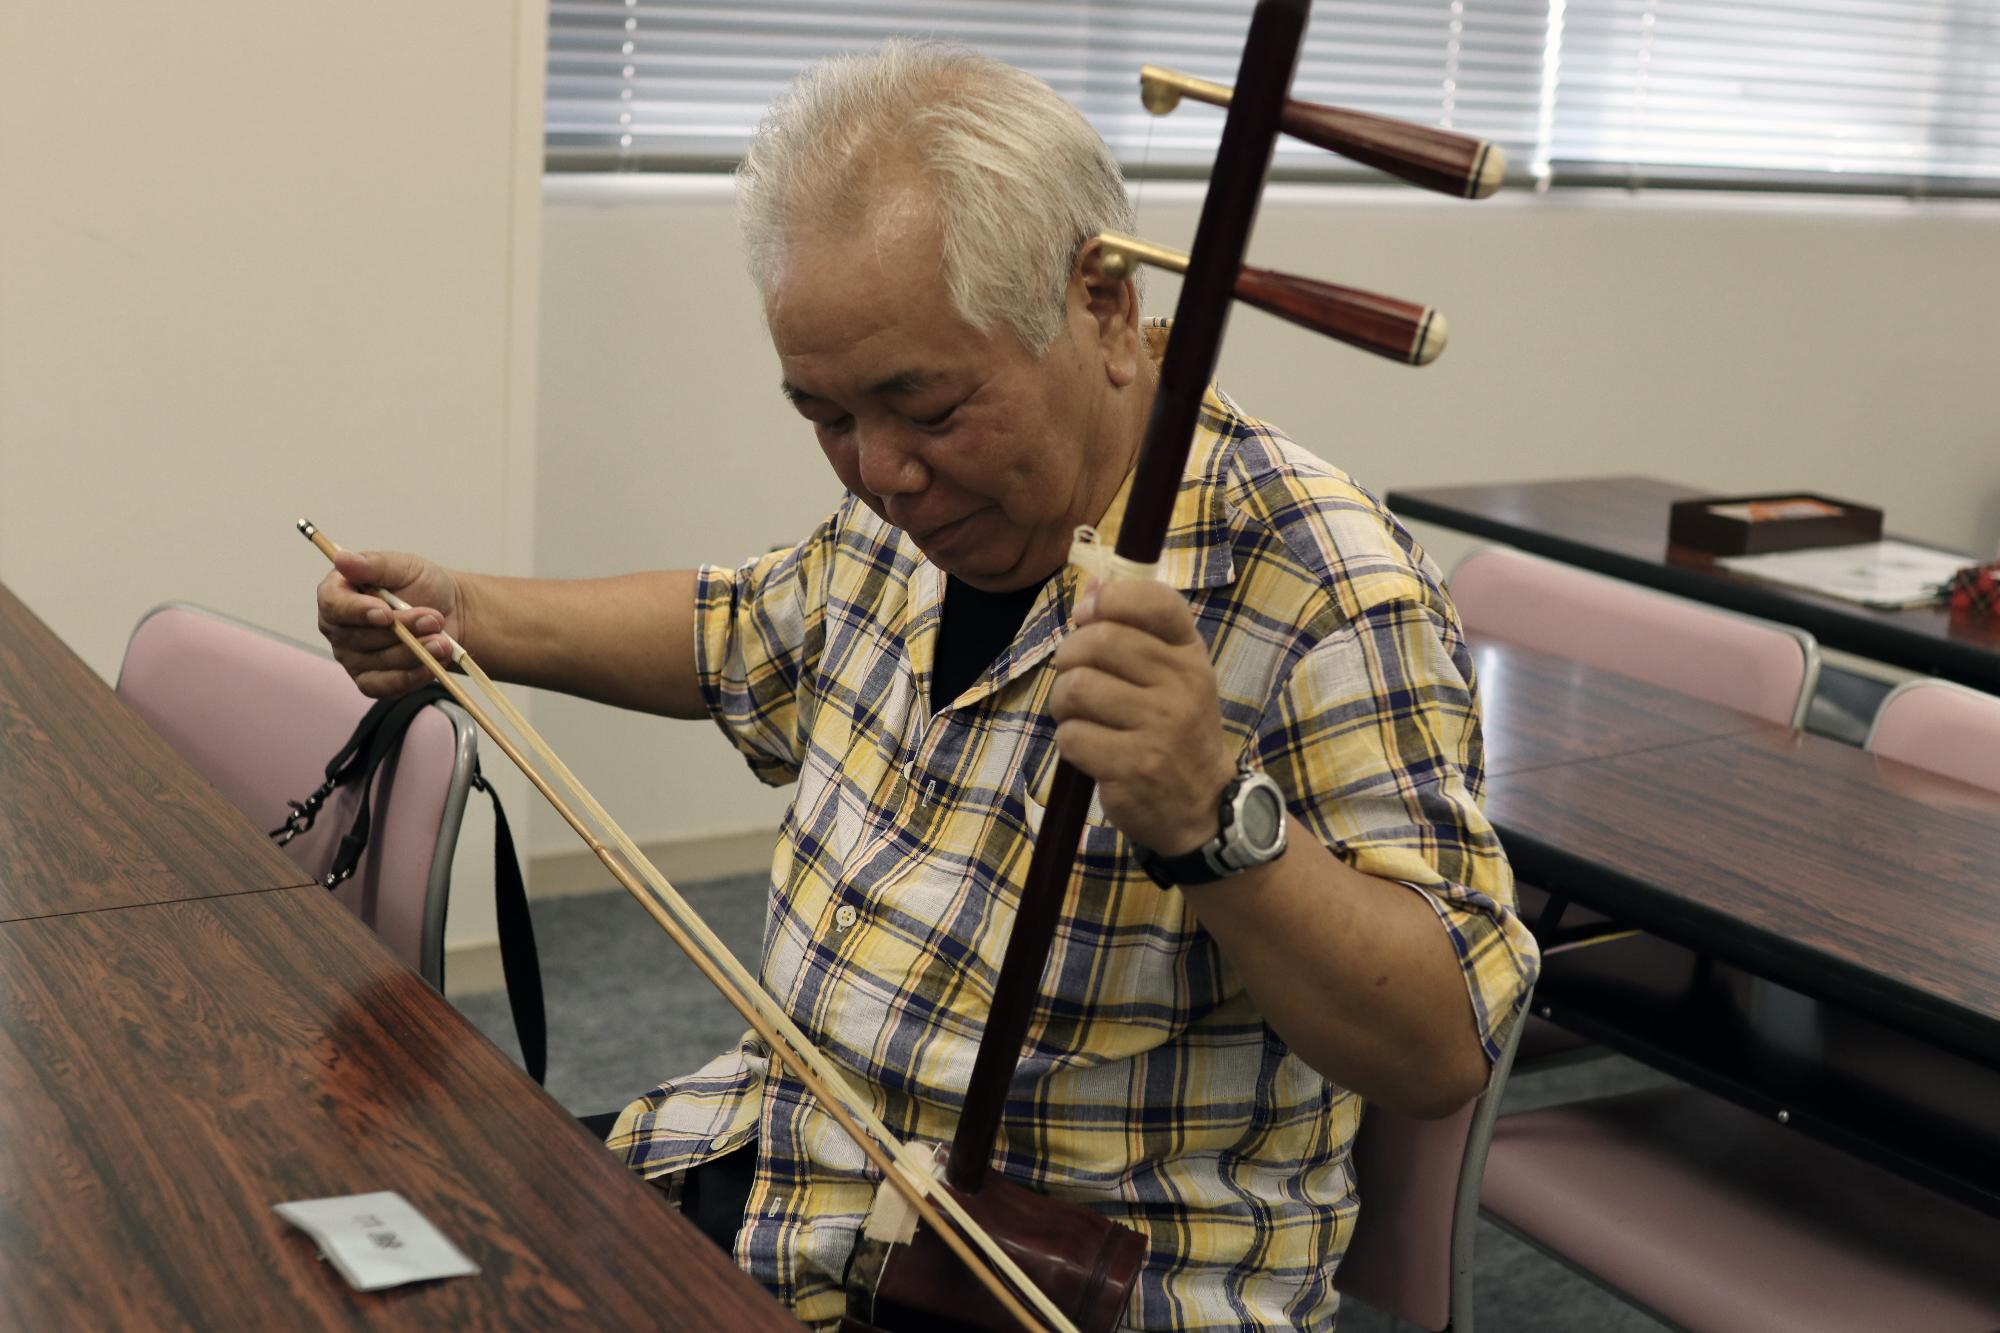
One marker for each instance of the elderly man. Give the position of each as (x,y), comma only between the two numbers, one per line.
(919,224)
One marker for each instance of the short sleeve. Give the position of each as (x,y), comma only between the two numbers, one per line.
(758,633)
(1375,739)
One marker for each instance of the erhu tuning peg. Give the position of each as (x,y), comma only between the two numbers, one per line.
(1399,330)
(1440,160)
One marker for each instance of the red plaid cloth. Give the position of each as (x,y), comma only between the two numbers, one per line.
(1975,592)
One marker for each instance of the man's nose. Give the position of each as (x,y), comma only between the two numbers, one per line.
(887,453)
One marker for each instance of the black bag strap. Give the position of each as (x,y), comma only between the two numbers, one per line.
(378,735)
(520,963)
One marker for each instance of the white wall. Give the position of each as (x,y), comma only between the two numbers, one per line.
(258,262)
(664,444)
(1732,342)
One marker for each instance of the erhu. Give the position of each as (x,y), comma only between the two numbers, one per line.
(1038,1262)
(1089,1262)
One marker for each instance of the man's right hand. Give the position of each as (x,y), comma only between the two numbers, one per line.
(357,623)
(626,640)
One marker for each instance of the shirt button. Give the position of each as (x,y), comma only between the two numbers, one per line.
(844,916)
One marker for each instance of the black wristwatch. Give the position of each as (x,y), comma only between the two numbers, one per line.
(1251,832)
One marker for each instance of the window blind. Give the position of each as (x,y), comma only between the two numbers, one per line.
(679,85)
(1830,94)
(1839,94)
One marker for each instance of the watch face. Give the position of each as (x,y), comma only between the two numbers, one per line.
(1263,817)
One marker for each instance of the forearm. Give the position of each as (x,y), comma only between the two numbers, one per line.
(1355,973)
(627,641)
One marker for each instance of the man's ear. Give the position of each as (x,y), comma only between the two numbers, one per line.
(1112,305)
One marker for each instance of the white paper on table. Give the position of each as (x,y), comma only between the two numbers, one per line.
(1881,574)
(377,1240)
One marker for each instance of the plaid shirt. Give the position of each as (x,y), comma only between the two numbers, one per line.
(1150,1087)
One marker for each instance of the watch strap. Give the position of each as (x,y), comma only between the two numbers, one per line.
(1171,872)
(1209,862)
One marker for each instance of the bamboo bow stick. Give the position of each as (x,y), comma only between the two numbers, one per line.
(905,1169)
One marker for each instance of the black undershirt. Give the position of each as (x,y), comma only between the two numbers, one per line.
(977,628)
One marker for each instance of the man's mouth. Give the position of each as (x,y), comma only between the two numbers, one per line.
(944,531)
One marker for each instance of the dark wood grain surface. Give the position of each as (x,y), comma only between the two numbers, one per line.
(185,1041)
(169,1072)
(1541,710)
(1796,857)
(95,809)
(1618,526)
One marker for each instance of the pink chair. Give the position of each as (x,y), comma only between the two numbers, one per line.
(1946,728)
(1411,1253)
(1716,1219)
(1736,661)
(260,715)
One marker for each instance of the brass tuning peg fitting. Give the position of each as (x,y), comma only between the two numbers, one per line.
(1399,330)
(1441,160)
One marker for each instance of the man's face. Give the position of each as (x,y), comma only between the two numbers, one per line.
(987,457)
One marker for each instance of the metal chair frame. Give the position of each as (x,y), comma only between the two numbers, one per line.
(1465,1213)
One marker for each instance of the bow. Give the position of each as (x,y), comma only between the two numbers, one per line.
(906,1169)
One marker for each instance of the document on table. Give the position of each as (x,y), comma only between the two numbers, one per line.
(377,1240)
(1887,574)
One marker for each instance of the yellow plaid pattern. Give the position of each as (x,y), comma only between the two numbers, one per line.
(1150,1089)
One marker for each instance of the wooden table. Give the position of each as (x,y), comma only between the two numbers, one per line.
(188,1036)
(1543,712)
(1868,890)
(96,811)
(1618,526)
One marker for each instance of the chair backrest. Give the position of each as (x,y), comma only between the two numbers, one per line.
(1737,661)
(1418,1181)
(260,715)
(1944,727)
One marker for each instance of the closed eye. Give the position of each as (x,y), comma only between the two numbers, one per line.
(932,423)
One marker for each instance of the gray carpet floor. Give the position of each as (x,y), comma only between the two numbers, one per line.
(626,1010)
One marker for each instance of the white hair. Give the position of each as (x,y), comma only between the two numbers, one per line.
(1018,178)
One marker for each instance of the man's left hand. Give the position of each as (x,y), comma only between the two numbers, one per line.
(1136,708)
